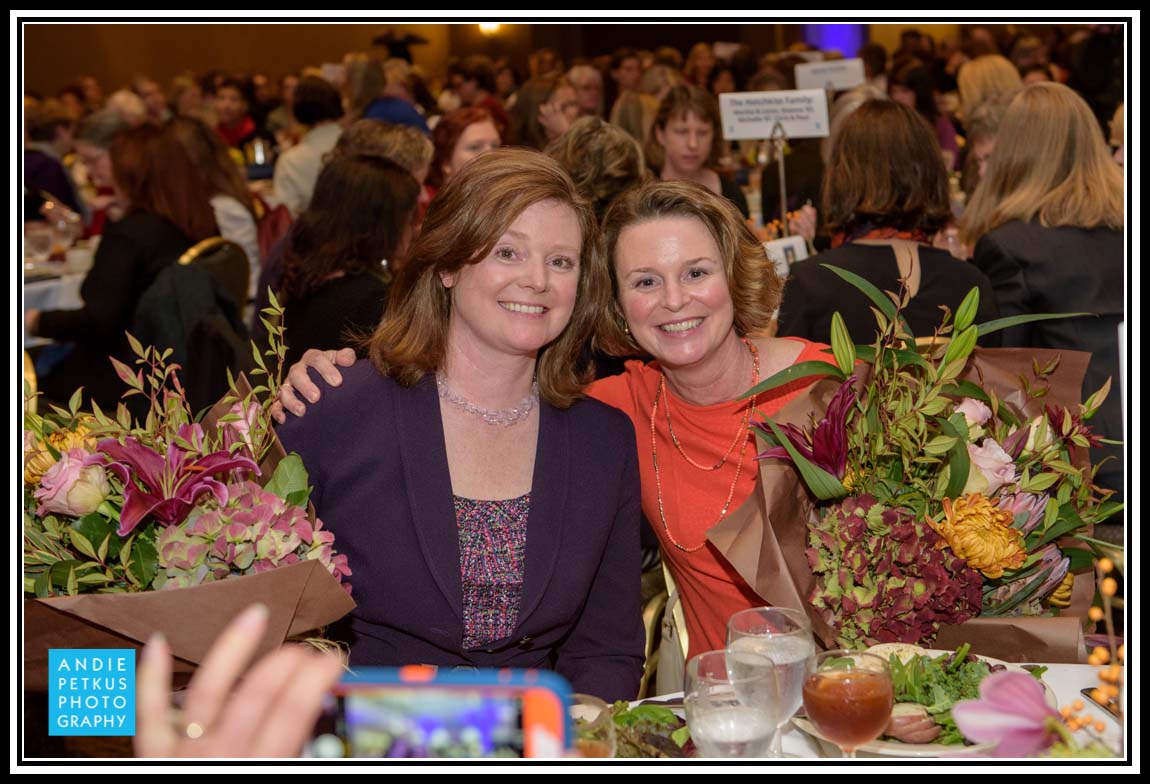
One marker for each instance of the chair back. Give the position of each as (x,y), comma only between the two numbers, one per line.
(226,262)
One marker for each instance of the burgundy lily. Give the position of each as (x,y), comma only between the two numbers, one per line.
(166,487)
(826,443)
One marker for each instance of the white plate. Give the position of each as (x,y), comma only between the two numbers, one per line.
(896,748)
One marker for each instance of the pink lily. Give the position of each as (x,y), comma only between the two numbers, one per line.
(166,487)
(1012,712)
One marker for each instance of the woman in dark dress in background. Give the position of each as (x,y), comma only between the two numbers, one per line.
(341,252)
(885,196)
(168,210)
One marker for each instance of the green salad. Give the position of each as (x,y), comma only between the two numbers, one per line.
(938,683)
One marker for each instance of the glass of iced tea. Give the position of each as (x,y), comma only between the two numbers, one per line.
(849,698)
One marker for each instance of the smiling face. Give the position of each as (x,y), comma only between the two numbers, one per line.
(673,290)
(687,141)
(521,295)
(475,140)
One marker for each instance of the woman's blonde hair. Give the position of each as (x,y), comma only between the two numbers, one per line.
(462,225)
(1049,164)
(985,77)
(756,288)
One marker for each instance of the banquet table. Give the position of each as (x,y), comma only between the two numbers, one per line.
(1065,680)
(57,292)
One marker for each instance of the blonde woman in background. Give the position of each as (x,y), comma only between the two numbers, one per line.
(1046,223)
(983,78)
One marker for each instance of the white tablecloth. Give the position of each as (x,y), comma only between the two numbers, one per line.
(62,293)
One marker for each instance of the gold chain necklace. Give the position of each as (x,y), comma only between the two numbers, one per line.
(738,465)
(742,428)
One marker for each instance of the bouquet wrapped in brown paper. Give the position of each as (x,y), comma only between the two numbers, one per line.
(169,525)
(928,492)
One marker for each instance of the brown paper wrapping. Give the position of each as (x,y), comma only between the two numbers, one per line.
(300,598)
(765,539)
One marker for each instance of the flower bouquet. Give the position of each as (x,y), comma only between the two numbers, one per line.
(172,524)
(946,484)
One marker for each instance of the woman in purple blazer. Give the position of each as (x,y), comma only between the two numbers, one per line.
(490,515)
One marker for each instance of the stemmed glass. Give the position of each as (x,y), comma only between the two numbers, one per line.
(594,726)
(731,703)
(783,636)
(849,698)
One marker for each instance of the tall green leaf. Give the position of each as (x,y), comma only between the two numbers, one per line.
(881,300)
(823,484)
(959,457)
(793,373)
(1014,321)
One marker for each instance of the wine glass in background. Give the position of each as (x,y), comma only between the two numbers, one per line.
(849,698)
(594,726)
(731,704)
(37,242)
(783,636)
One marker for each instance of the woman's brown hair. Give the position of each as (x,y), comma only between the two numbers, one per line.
(154,172)
(466,219)
(755,287)
(886,171)
(602,159)
(356,219)
(212,160)
(1050,164)
(677,104)
(526,130)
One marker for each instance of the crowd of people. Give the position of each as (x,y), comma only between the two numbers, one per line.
(463,276)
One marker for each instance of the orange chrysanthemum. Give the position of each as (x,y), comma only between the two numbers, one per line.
(981,533)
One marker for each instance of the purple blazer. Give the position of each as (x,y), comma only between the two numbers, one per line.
(375,455)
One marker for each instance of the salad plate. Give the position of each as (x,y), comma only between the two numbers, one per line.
(896,748)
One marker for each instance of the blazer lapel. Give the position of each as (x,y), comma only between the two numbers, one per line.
(545,521)
(424,453)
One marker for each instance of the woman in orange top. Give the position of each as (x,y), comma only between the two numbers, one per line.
(676,248)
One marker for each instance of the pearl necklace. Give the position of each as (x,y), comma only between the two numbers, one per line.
(504,417)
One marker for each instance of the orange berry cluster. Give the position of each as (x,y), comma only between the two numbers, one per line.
(1072,715)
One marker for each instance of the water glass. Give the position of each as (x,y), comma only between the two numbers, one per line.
(37,242)
(783,636)
(731,704)
(594,726)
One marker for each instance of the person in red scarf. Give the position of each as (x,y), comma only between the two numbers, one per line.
(885,196)
(236,126)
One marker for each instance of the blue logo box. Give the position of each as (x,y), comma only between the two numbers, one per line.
(91,691)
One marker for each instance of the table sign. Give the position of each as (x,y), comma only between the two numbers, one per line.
(830,75)
(801,113)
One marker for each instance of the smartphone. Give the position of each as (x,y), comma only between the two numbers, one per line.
(424,712)
(1110,707)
